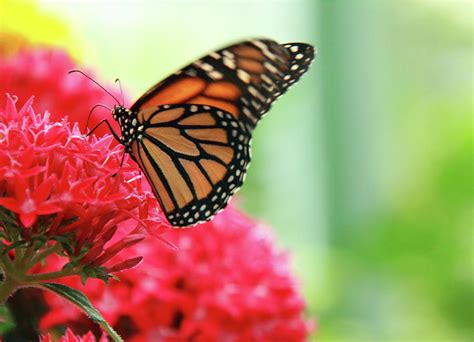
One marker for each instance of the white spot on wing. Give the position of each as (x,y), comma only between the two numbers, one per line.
(206,67)
(229,63)
(243,75)
(215,75)
(264,48)
(270,67)
(228,54)
(267,79)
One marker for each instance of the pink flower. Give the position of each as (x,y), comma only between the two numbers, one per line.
(225,282)
(69,336)
(28,205)
(63,188)
(43,73)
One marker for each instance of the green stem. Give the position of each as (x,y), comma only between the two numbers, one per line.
(7,264)
(43,254)
(18,256)
(21,264)
(51,275)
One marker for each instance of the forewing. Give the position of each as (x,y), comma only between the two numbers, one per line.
(243,79)
(195,158)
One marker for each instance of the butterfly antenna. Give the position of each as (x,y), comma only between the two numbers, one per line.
(121,91)
(90,78)
(92,109)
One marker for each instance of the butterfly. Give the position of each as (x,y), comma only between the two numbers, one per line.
(190,133)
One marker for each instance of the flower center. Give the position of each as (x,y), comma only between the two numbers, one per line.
(28,206)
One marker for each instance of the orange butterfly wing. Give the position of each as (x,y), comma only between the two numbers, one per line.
(195,158)
(197,124)
(243,79)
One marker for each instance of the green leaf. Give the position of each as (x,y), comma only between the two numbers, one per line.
(79,299)
(98,272)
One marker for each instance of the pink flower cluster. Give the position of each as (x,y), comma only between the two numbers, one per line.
(69,336)
(226,282)
(70,189)
(43,73)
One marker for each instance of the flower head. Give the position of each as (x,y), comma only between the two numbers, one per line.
(43,73)
(58,188)
(69,336)
(226,281)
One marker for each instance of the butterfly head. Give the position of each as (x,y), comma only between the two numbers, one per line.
(120,113)
(129,125)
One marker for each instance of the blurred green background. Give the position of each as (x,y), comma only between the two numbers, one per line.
(364,169)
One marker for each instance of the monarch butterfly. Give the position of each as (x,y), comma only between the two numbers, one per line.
(190,133)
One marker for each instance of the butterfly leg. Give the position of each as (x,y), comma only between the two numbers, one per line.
(121,163)
(110,128)
(115,136)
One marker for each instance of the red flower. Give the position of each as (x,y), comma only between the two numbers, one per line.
(43,73)
(69,189)
(28,205)
(225,282)
(70,337)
